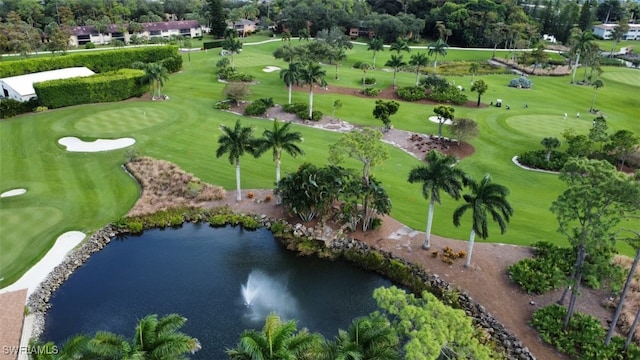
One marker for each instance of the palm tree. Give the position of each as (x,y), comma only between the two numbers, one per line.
(236,142)
(367,338)
(277,340)
(290,76)
(159,338)
(473,68)
(335,56)
(312,74)
(233,46)
(438,175)
(597,84)
(395,62)
(155,338)
(400,45)
(418,60)
(549,144)
(485,197)
(74,348)
(364,67)
(155,74)
(279,139)
(582,41)
(438,48)
(375,45)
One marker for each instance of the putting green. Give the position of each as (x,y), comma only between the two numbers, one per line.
(125,119)
(549,125)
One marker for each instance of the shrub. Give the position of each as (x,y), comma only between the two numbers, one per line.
(371,91)
(536,159)
(369,81)
(250,194)
(255,108)
(411,93)
(295,108)
(98,61)
(90,45)
(521,83)
(450,94)
(105,87)
(583,337)
(10,107)
(268,198)
(316,115)
(536,275)
(222,105)
(41,109)
(357,64)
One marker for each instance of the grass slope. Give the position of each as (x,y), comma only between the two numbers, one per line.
(84,191)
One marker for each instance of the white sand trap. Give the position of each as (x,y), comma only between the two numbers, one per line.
(435,120)
(74,144)
(34,276)
(269,69)
(13,192)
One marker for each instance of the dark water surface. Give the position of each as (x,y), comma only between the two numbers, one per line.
(197,271)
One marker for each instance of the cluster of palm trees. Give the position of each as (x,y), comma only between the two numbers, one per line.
(483,199)
(155,339)
(309,73)
(368,337)
(239,140)
(417,60)
(155,74)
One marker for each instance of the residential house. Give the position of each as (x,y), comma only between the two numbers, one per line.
(244,27)
(604,31)
(82,35)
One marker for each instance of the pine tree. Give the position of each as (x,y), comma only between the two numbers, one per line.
(216,15)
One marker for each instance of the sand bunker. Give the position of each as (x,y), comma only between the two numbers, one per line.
(34,276)
(435,120)
(74,144)
(269,69)
(13,192)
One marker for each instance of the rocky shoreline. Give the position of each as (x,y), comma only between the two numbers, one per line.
(38,302)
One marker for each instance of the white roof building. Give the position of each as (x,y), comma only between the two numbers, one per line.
(20,87)
(604,31)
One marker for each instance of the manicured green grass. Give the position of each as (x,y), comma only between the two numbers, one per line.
(77,191)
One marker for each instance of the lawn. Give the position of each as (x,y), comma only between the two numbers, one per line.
(85,191)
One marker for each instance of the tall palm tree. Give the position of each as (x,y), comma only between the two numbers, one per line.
(400,45)
(106,345)
(290,76)
(485,198)
(277,340)
(312,74)
(549,144)
(597,84)
(367,338)
(473,68)
(335,56)
(375,45)
(438,175)
(279,139)
(438,48)
(236,142)
(582,41)
(395,62)
(418,60)
(364,67)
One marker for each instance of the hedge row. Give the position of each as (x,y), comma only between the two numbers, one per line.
(98,61)
(107,87)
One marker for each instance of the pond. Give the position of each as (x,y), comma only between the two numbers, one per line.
(223,280)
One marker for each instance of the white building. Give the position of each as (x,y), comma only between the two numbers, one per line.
(604,31)
(81,35)
(20,87)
